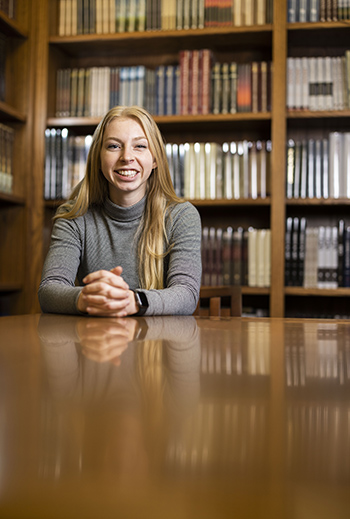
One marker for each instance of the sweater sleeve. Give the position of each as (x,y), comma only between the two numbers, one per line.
(183,265)
(57,291)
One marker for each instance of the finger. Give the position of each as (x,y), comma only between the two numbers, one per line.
(105,336)
(104,290)
(107,277)
(95,275)
(105,312)
(116,345)
(117,271)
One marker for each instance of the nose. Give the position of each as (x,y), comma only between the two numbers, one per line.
(127,154)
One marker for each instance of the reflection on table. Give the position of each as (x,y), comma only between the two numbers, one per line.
(174,417)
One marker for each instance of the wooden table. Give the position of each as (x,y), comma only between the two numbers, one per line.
(174,417)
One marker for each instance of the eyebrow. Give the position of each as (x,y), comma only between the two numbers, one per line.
(142,137)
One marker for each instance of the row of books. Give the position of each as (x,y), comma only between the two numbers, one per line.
(192,87)
(227,436)
(318,83)
(209,171)
(6,156)
(318,10)
(317,257)
(319,167)
(239,87)
(236,257)
(325,358)
(117,16)
(2,67)
(65,161)
(8,7)
(237,359)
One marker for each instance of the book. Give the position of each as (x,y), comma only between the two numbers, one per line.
(321,258)
(252,257)
(341,252)
(290,168)
(294,260)
(237,277)
(7,135)
(288,252)
(347,257)
(184,81)
(311,169)
(227,258)
(227,169)
(311,257)
(318,168)
(303,169)
(301,251)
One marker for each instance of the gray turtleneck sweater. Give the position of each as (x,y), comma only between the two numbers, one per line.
(104,238)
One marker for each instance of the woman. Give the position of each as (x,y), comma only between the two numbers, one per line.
(124,237)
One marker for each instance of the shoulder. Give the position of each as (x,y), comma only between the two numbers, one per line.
(183,218)
(77,223)
(183,210)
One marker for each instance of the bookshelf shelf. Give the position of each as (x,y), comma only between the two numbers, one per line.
(10,287)
(318,202)
(8,113)
(256,291)
(173,120)
(157,41)
(322,292)
(11,28)
(230,202)
(325,114)
(10,199)
(314,26)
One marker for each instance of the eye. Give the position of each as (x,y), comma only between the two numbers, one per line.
(113,146)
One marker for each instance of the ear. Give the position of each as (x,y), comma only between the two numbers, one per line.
(154,164)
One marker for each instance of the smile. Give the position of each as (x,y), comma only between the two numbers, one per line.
(127,173)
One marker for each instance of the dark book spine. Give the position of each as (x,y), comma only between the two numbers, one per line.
(347,258)
(288,252)
(301,253)
(341,256)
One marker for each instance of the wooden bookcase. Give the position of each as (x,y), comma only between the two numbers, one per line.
(19,254)
(270,42)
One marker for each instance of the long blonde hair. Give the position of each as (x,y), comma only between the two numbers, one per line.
(93,190)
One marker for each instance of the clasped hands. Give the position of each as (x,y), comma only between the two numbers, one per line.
(107,294)
(105,340)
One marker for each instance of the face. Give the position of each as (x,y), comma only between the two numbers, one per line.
(126,161)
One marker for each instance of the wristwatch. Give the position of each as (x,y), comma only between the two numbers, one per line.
(142,302)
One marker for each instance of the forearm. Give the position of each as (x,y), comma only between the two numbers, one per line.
(59,298)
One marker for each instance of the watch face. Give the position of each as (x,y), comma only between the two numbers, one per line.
(142,299)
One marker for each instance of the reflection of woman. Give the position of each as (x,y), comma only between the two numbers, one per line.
(104,357)
(144,376)
(132,244)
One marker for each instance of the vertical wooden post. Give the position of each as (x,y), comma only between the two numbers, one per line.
(278,159)
(39,66)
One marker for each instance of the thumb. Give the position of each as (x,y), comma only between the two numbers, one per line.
(117,270)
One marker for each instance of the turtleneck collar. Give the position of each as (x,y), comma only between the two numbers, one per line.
(125,214)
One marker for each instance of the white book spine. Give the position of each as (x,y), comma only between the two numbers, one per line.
(252,258)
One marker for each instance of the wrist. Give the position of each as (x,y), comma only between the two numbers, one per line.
(141,302)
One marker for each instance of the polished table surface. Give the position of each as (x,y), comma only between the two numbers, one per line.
(174,417)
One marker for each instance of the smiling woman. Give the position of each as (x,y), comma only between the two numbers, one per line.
(124,243)
(126,161)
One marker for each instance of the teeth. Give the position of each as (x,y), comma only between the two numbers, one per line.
(129,173)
